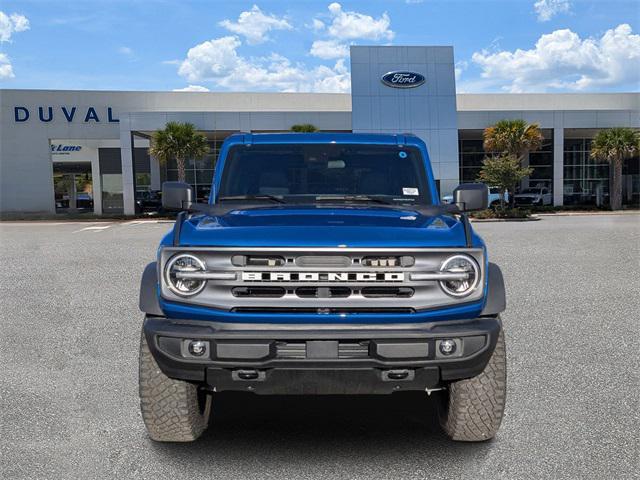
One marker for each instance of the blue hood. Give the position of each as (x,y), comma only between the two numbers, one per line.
(320,226)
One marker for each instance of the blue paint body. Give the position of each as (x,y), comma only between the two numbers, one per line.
(323,226)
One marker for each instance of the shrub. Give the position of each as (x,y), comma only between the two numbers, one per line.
(507,213)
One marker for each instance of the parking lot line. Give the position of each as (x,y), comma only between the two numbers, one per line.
(94,228)
(144,222)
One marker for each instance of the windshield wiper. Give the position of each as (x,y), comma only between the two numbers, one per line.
(353,198)
(272,198)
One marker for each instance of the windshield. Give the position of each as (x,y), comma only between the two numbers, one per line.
(535,191)
(328,172)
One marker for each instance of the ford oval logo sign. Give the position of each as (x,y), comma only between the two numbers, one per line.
(403,79)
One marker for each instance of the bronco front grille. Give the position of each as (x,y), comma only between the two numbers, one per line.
(322,280)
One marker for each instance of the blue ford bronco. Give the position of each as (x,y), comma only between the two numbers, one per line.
(323,263)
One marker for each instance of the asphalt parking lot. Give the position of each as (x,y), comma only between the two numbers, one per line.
(69,352)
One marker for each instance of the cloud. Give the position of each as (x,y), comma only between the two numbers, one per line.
(351,25)
(331,80)
(329,49)
(255,24)
(192,88)
(317,25)
(561,60)
(344,26)
(6,70)
(547,9)
(10,24)
(210,60)
(218,61)
(460,67)
(126,51)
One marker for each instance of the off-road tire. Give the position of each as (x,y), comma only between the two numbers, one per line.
(172,410)
(471,409)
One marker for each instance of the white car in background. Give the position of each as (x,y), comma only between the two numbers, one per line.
(494,198)
(534,196)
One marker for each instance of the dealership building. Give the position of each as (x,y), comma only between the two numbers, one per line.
(87,150)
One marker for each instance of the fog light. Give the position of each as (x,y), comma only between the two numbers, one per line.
(197,348)
(447,347)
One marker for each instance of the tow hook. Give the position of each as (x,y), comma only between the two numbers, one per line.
(248,375)
(398,375)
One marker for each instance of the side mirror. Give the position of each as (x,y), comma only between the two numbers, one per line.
(471,196)
(177,196)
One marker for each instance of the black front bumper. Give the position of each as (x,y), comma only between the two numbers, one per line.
(319,358)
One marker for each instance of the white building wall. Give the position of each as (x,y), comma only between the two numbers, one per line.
(26,173)
(26,183)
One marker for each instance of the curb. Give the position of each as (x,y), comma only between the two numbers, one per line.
(578,214)
(98,220)
(492,220)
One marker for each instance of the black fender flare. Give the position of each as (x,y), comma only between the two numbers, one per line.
(496,295)
(149,290)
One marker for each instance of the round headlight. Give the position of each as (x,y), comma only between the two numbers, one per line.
(460,264)
(177,275)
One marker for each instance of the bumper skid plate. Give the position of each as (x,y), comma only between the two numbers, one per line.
(321,359)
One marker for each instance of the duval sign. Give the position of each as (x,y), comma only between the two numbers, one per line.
(403,79)
(47,114)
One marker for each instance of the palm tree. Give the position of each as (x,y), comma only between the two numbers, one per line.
(180,141)
(615,145)
(512,139)
(304,128)
(515,138)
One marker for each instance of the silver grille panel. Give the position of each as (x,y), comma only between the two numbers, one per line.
(323,279)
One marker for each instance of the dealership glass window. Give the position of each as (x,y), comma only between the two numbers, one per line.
(142,169)
(73,187)
(631,182)
(112,201)
(586,180)
(472,155)
(111,179)
(541,161)
(199,172)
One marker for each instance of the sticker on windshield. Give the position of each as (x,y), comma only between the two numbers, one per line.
(410,191)
(402,154)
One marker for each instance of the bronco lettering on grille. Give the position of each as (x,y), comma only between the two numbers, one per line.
(322,277)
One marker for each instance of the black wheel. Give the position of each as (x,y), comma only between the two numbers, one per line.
(172,410)
(471,410)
